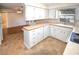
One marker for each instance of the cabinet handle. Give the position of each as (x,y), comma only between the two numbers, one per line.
(38,33)
(33,30)
(33,33)
(33,37)
(34,42)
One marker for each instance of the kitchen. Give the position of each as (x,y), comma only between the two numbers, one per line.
(45,26)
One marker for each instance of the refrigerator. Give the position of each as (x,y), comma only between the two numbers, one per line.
(1,34)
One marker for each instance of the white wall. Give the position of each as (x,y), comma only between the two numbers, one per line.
(1,36)
(15,19)
(77,13)
(37,5)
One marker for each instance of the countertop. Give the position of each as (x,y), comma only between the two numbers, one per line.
(62,25)
(31,27)
(71,49)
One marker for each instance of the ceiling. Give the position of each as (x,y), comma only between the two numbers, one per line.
(58,5)
(11,5)
(48,5)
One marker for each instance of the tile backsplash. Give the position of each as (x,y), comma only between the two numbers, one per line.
(47,21)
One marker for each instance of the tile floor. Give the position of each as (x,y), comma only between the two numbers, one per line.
(13,45)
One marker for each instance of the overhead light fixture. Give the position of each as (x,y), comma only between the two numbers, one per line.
(19,9)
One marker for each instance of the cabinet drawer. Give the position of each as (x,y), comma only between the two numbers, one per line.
(32,43)
(33,33)
(33,38)
(41,28)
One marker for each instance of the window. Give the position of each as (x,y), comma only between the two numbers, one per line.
(67,15)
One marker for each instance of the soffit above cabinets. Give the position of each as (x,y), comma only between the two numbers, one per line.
(60,5)
(40,5)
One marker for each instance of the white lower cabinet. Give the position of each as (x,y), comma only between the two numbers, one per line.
(46,31)
(52,31)
(32,37)
(61,33)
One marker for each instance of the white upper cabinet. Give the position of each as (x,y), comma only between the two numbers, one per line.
(35,13)
(52,13)
(29,13)
(39,13)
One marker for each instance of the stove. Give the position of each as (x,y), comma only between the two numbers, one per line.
(74,37)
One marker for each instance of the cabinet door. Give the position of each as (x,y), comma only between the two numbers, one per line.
(27,39)
(58,33)
(36,36)
(53,31)
(52,13)
(42,13)
(67,34)
(32,37)
(46,31)
(62,33)
(39,13)
(40,34)
(29,13)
